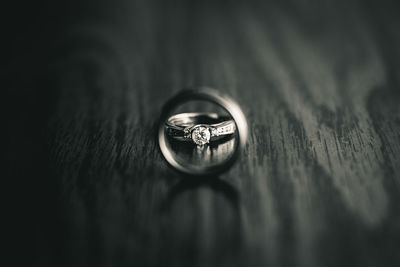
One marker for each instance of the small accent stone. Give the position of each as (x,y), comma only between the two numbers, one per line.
(186,133)
(201,135)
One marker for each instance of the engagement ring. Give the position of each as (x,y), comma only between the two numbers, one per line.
(200,128)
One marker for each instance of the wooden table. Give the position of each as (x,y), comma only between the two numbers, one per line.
(317,185)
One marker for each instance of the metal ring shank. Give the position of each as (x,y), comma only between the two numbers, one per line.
(213,96)
(220,126)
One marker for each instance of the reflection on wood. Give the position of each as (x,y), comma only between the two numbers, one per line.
(212,154)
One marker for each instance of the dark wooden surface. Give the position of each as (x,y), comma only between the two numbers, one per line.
(318,183)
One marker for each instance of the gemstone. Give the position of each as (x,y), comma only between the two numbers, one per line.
(214,131)
(201,135)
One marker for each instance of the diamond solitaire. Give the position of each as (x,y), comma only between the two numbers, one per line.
(201,135)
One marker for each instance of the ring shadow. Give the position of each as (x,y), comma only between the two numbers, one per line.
(215,183)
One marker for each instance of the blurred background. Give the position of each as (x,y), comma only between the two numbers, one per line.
(318,183)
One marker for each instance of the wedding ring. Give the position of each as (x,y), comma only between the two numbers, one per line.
(199,128)
(201,94)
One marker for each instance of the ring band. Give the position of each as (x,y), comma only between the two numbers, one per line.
(213,96)
(196,127)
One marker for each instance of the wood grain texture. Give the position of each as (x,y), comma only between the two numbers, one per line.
(318,183)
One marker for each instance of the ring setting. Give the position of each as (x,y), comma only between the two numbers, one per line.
(192,127)
(200,134)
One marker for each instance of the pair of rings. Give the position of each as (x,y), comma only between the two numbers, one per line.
(201,128)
